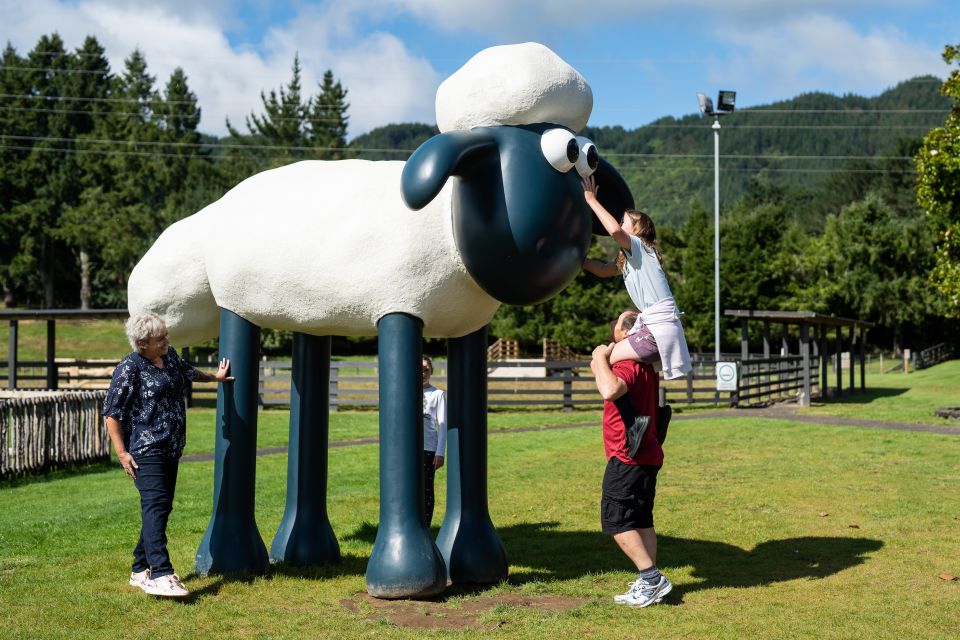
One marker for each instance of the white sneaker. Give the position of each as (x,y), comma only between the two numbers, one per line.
(644,594)
(139,578)
(621,598)
(168,586)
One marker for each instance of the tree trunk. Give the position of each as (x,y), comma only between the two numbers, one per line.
(84,279)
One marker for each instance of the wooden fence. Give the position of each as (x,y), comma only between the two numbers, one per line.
(934,355)
(557,384)
(765,380)
(40,431)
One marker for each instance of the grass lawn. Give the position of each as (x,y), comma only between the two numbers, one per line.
(75,339)
(768,529)
(900,397)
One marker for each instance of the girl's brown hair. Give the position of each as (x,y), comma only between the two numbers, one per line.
(644,229)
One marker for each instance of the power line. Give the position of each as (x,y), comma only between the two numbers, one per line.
(21,96)
(215,145)
(730,126)
(87,113)
(360,151)
(252,146)
(750,111)
(56,70)
(162,154)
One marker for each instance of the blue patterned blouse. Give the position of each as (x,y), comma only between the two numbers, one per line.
(149,403)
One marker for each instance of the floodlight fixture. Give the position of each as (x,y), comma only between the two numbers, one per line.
(706,104)
(726,101)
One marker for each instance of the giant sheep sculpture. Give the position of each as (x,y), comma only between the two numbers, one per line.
(333,248)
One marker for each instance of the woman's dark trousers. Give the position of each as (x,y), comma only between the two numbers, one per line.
(156,481)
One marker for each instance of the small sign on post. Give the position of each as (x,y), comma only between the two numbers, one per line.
(726,376)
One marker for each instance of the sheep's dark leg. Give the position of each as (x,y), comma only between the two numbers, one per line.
(405,562)
(232,542)
(468,540)
(305,536)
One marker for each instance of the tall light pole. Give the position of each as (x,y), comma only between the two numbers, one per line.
(726,102)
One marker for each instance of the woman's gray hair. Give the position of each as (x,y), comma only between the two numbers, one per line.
(144,326)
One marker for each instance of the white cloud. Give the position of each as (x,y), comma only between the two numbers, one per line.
(819,51)
(386,83)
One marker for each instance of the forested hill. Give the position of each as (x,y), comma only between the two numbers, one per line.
(798,142)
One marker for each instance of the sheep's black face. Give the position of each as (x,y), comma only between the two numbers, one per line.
(520,221)
(521,225)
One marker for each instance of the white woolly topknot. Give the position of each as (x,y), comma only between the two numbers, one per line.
(514,84)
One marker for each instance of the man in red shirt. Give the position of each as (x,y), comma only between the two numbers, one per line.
(630,389)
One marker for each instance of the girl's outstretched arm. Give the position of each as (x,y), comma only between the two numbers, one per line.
(601,269)
(606,219)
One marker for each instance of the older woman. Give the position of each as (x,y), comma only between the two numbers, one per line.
(146,418)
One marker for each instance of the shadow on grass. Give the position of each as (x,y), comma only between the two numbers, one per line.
(864,397)
(571,554)
(538,552)
(66,471)
(349,565)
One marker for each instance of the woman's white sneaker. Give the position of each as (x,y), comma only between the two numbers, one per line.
(168,586)
(139,578)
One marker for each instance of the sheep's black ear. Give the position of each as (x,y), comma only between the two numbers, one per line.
(440,157)
(613,193)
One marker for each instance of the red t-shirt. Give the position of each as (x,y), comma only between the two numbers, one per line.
(643,386)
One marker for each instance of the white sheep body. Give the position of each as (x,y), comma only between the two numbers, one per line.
(320,247)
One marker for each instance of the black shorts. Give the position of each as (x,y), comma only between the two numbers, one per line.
(627,499)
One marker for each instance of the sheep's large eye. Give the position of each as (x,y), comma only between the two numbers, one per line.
(589,157)
(560,148)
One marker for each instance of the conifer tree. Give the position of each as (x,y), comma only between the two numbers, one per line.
(327,119)
(87,99)
(282,124)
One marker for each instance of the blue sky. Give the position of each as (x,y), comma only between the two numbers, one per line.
(644,59)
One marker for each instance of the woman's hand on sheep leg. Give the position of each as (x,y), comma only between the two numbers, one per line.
(223,371)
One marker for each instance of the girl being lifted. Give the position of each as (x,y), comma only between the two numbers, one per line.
(657,336)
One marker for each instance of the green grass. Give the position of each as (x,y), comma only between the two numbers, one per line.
(75,339)
(769,529)
(273,425)
(899,397)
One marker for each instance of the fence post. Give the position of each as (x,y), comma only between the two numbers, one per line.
(853,369)
(863,370)
(188,395)
(744,346)
(567,389)
(12,356)
(662,393)
(839,361)
(334,386)
(805,355)
(261,385)
(766,356)
(51,354)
